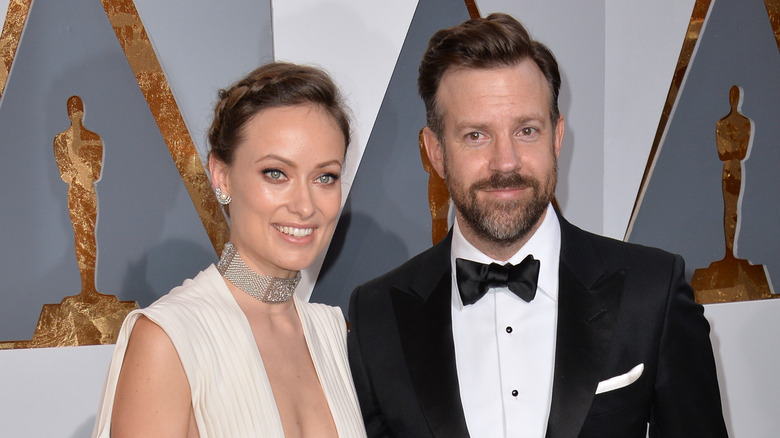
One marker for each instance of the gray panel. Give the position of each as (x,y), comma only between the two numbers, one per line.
(386,219)
(682,210)
(149,235)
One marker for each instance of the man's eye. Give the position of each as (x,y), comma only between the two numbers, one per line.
(473,136)
(527,131)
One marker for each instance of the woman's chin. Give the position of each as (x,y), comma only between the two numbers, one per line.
(296,265)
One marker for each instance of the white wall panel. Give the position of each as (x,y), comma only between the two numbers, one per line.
(3,7)
(747,354)
(51,392)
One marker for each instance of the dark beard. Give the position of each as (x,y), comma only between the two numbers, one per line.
(503,223)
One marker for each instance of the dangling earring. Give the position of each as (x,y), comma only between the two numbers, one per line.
(222,198)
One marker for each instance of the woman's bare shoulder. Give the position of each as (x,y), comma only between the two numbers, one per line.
(152,393)
(151,341)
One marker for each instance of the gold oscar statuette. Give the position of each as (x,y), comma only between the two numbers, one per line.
(89,317)
(731,279)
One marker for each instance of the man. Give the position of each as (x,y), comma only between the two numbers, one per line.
(585,337)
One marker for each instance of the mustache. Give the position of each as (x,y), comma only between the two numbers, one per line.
(501,181)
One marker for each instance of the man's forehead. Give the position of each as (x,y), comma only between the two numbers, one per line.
(519,89)
(525,75)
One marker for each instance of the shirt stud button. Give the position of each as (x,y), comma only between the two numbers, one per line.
(514,393)
(509,329)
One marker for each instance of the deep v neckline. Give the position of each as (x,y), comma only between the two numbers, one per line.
(252,343)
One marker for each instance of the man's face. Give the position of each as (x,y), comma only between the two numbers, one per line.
(498,153)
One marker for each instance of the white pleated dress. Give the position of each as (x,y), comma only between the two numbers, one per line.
(231,394)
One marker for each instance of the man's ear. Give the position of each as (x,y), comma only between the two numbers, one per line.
(219,174)
(434,150)
(559,131)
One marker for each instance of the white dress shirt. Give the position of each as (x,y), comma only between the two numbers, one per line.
(504,346)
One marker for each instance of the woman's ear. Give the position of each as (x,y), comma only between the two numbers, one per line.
(219,174)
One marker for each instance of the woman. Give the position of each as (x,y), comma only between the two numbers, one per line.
(233,352)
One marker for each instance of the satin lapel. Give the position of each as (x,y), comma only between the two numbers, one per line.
(425,327)
(588,301)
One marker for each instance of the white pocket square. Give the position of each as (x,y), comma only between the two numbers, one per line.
(621,381)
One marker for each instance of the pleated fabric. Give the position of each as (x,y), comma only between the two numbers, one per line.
(231,394)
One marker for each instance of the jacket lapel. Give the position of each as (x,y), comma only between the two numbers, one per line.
(588,300)
(425,327)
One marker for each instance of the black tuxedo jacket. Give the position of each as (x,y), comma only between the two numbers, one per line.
(619,305)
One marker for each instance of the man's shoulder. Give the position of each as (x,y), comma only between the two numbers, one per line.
(407,271)
(611,248)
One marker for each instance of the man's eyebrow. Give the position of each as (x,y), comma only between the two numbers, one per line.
(532,118)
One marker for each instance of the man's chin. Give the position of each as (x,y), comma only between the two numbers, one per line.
(503,233)
(501,230)
(502,240)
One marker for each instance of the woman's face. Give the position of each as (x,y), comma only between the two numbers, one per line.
(284,181)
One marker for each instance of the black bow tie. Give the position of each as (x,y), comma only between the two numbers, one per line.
(474,279)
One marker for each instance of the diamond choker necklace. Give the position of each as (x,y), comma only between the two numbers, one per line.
(264,288)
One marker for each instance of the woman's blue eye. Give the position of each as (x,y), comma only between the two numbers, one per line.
(327,178)
(274,174)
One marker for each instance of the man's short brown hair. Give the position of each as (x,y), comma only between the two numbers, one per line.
(482,43)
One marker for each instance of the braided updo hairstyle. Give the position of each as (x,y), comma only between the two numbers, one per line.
(273,85)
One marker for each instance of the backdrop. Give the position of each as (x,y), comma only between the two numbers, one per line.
(617,60)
